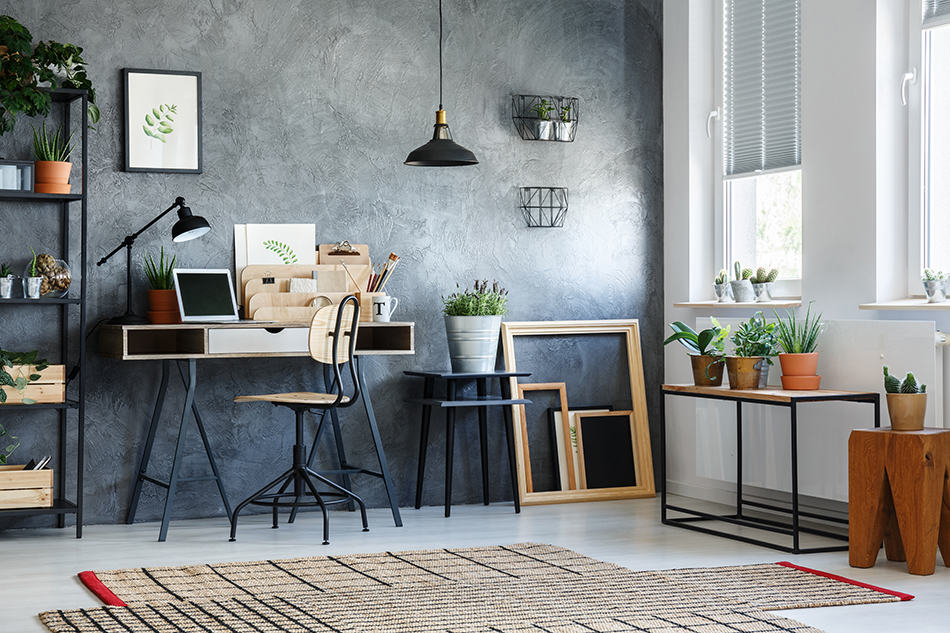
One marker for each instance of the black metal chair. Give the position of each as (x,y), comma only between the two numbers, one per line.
(329,330)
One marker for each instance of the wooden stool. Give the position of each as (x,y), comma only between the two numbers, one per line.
(899,493)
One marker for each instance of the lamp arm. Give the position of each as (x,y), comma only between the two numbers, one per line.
(130,239)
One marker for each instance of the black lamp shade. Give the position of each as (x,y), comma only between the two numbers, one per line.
(441,151)
(188,226)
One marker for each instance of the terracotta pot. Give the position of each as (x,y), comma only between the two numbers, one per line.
(907,410)
(51,176)
(799,364)
(743,371)
(163,306)
(703,365)
(800,383)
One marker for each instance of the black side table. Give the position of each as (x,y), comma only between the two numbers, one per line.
(451,403)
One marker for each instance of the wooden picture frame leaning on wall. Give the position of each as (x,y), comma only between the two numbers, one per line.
(643,458)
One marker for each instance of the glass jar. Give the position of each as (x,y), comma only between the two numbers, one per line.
(55,276)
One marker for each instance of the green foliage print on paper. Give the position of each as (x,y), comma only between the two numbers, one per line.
(286,254)
(160,121)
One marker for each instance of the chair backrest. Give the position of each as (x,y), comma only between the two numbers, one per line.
(332,342)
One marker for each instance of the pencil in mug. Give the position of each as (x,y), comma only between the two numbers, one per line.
(395,261)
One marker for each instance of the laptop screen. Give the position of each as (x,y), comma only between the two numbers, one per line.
(205,295)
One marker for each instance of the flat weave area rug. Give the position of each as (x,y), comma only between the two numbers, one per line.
(502,589)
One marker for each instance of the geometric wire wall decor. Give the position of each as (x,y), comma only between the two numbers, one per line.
(544,207)
(545,117)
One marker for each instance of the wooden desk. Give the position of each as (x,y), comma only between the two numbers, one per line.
(187,343)
(772,397)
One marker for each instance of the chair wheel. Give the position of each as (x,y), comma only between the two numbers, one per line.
(326,542)
(231,540)
(366,529)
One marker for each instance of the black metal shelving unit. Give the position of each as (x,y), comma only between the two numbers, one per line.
(72,355)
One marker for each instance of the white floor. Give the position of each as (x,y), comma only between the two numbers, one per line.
(38,567)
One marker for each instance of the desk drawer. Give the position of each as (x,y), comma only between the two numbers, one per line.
(258,340)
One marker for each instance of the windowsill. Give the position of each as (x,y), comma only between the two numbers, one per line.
(788,302)
(910,303)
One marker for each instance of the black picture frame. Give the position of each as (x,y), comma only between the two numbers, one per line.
(127,122)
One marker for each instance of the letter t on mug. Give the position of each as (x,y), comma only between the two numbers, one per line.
(383,308)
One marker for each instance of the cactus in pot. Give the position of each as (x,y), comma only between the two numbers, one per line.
(906,401)
(742,290)
(722,288)
(935,285)
(762,283)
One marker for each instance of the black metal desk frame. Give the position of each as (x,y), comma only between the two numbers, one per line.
(793,529)
(452,403)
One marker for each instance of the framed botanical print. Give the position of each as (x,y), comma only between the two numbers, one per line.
(162,120)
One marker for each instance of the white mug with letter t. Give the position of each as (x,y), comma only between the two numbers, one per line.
(383,308)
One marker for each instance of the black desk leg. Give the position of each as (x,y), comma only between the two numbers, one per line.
(149,440)
(380,453)
(179,449)
(449,445)
(427,391)
(794,447)
(877,411)
(738,459)
(662,457)
(510,440)
(482,387)
(329,381)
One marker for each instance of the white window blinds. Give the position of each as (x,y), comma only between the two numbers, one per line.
(761,85)
(936,13)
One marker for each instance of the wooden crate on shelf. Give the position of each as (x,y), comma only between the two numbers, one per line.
(50,388)
(25,488)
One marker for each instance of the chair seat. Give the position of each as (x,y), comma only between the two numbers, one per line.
(296,397)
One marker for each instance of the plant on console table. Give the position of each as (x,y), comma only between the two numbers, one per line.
(472,323)
(799,340)
(162,299)
(755,344)
(705,350)
(906,402)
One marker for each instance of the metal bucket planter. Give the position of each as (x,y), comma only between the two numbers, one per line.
(542,129)
(564,130)
(473,342)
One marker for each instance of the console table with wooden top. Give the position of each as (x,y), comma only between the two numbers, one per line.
(772,397)
(187,343)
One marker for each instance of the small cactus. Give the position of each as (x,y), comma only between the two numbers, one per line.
(891,383)
(746,273)
(722,277)
(923,388)
(764,276)
(910,384)
(930,274)
(772,276)
(737,270)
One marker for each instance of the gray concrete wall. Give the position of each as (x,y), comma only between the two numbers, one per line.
(310,108)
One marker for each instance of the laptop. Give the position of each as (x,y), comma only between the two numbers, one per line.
(205,295)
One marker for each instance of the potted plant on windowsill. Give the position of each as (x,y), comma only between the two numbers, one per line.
(906,402)
(762,283)
(935,285)
(705,350)
(755,344)
(542,126)
(742,290)
(799,340)
(472,323)
(162,298)
(722,288)
(51,168)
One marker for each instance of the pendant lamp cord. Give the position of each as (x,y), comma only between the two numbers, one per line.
(440,54)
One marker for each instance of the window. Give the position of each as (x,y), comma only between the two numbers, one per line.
(761,209)
(935,136)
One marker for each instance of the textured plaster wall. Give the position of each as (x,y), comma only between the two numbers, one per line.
(310,107)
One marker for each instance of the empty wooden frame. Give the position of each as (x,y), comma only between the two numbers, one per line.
(565,431)
(639,424)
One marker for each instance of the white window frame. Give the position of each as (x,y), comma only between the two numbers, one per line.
(722,250)
(916,231)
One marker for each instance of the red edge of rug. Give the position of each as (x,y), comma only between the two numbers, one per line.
(102,592)
(903,596)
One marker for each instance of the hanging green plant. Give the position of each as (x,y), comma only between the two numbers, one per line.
(18,361)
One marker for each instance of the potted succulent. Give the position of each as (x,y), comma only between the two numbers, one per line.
(762,283)
(564,126)
(705,350)
(51,168)
(935,285)
(32,280)
(162,299)
(742,290)
(542,125)
(472,322)
(799,340)
(6,281)
(755,344)
(906,402)
(722,288)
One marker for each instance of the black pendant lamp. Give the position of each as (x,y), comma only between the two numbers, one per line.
(441,151)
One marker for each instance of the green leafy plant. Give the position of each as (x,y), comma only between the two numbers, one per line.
(5,270)
(6,451)
(708,342)
(285,252)
(159,273)
(892,384)
(24,68)
(763,276)
(20,360)
(482,300)
(740,272)
(930,274)
(756,337)
(796,336)
(32,267)
(543,109)
(160,121)
(54,146)
(722,277)
(566,114)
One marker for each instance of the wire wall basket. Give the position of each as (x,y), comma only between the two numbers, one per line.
(544,207)
(545,117)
